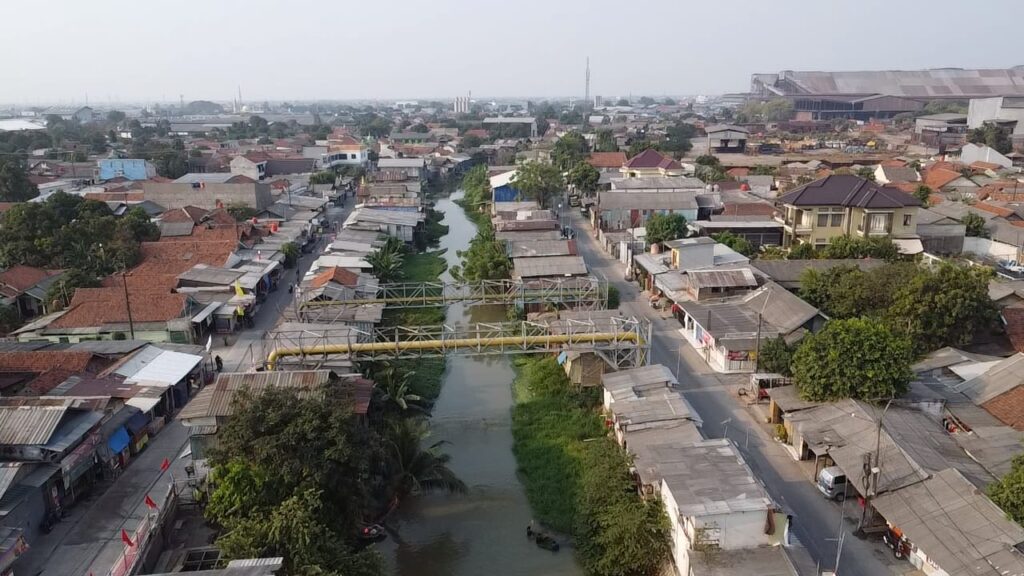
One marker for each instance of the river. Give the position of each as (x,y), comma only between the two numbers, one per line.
(484,531)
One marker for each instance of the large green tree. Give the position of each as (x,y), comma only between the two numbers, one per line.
(386,261)
(1008,492)
(617,534)
(14,183)
(604,141)
(584,177)
(844,247)
(678,139)
(413,468)
(846,291)
(776,356)
(737,243)
(292,477)
(540,182)
(944,307)
(664,227)
(975,225)
(570,150)
(485,259)
(855,358)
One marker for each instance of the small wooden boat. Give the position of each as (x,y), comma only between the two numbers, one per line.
(546,542)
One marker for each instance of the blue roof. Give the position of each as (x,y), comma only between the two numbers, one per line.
(74,427)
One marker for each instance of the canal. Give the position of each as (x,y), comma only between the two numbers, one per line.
(484,531)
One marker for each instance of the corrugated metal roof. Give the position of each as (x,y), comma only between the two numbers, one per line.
(28,425)
(549,266)
(722,278)
(216,399)
(8,471)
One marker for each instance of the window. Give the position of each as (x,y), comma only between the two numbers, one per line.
(879,224)
(822,220)
(837,220)
(906,219)
(830,217)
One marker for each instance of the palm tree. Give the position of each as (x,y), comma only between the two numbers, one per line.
(413,469)
(387,264)
(393,388)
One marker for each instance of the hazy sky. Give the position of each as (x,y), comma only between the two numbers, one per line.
(151,50)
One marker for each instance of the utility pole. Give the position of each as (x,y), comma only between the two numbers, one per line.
(872,467)
(128,304)
(757,345)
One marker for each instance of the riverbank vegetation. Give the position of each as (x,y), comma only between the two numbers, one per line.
(577,478)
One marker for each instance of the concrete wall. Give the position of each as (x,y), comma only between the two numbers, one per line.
(623,219)
(171,195)
(942,238)
(990,248)
(738,529)
(981,110)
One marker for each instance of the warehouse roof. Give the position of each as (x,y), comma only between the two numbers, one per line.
(548,266)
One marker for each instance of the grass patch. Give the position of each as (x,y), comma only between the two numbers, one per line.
(549,423)
(423,267)
(473,212)
(577,478)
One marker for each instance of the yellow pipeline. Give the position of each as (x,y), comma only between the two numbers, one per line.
(452,344)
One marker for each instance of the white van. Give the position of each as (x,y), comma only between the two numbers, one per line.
(833,484)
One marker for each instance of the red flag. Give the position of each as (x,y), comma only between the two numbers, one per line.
(150,503)
(126,539)
(165,465)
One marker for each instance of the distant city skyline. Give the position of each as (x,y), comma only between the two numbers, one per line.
(159,51)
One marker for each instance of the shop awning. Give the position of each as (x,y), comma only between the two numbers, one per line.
(143,403)
(118,441)
(137,423)
(206,312)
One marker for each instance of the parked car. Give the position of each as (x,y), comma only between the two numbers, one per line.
(832,482)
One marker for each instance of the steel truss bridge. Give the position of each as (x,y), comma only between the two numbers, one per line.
(578,293)
(622,342)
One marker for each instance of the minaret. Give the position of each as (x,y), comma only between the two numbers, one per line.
(586,94)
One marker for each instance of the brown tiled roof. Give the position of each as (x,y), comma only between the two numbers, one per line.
(91,307)
(850,191)
(132,196)
(738,171)
(936,177)
(256,156)
(748,209)
(979,165)
(1013,317)
(481,133)
(607,159)
(651,158)
(160,262)
(1008,407)
(1004,191)
(997,210)
(893,163)
(43,360)
(336,275)
(21,278)
(193,214)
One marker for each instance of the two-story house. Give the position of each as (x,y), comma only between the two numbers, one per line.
(844,204)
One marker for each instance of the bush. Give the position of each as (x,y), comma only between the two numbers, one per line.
(613,300)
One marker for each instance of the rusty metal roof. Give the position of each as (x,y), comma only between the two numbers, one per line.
(216,399)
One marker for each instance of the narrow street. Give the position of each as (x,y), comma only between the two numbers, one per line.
(817,521)
(88,539)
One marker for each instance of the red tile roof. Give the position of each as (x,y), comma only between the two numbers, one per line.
(92,307)
(126,196)
(1013,317)
(48,367)
(893,163)
(256,156)
(1004,191)
(336,275)
(979,165)
(1008,407)
(193,214)
(748,209)
(997,210)
(607,159)
(936,178)
(21,278)
(651,158)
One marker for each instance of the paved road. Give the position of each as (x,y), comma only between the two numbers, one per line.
(713,396)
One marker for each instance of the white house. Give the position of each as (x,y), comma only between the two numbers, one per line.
(972,153)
